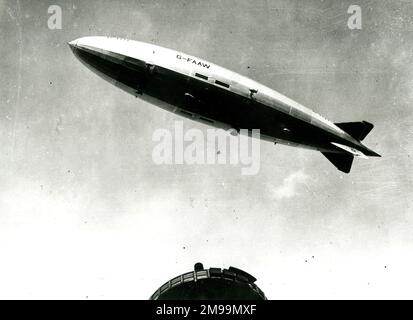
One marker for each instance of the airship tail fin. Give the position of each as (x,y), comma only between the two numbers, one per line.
(341,161)
(358,130)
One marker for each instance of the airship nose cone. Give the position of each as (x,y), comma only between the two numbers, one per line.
(72,44)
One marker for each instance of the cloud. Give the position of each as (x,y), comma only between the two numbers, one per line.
(290,185)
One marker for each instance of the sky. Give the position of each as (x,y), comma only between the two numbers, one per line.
(85,213)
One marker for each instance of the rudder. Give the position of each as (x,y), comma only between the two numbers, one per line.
(342,162)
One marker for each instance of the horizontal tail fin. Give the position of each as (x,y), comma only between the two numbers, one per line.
(341,161)
(350,150)
(358,130)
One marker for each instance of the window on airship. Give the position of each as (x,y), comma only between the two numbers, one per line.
(223,84)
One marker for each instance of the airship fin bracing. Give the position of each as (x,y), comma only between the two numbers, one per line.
(202,91)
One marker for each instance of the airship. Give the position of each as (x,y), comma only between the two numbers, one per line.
(205,92)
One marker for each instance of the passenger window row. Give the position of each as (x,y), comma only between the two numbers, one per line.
(220,83)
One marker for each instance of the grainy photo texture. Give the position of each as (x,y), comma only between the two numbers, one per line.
(142,137)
